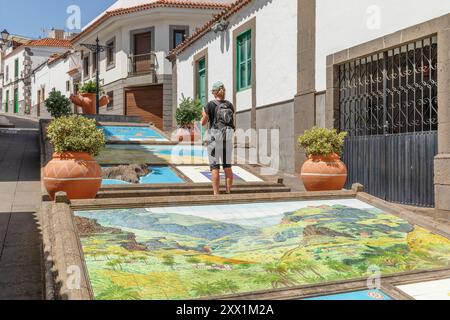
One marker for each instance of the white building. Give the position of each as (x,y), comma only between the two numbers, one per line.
(53,75)
(376,69)
(19,64)
(133,70)
(256,59)
(13,42)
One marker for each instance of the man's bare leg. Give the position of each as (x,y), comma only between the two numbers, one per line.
(215,178)
(229,177)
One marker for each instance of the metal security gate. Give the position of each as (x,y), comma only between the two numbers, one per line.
(388,106)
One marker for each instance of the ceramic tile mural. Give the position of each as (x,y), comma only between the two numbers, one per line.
(153,154)
(376,295)
(206,251)
(430,290)
(131,134)
(158,175)
(202,174)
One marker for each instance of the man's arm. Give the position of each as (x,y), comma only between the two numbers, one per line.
(205,118)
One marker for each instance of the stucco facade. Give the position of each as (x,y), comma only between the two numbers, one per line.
(273,24)
(50,76)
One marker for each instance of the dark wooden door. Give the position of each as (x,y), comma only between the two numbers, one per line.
(142,50)
(147,103)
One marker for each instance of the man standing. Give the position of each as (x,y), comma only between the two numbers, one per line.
(219,113)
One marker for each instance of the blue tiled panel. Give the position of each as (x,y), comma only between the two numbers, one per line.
(356,295)
(123,133)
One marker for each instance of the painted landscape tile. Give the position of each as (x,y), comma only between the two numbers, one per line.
(128,133)
(153,154)
(207,251)
(158,175)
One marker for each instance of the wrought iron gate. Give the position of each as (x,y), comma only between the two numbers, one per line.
(388,106)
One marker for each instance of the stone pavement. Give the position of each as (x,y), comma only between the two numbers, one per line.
(20,243)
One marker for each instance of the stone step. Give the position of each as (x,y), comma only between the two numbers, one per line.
(183,186)
(185,192)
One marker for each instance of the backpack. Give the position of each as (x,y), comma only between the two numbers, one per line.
(224,116)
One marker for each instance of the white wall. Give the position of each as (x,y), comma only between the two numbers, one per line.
(51,76)
(346,23)
(276,54)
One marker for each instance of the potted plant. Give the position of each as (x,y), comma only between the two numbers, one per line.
(324,169)
(58,105)
(73,169)
(86,99)
(188,113)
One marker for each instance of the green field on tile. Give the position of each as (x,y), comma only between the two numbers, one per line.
(208,251)
(152,154)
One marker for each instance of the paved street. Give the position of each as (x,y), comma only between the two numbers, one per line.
(20,244)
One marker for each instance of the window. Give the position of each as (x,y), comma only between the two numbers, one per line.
(68,86)
(244,61)
(86,67)
(110,105)
(16,68)
(94,62)
(7,74)
(201,81)
(111,53)
(177,35)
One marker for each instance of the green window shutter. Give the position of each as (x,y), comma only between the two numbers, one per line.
(201,81)
(16,68)
(7,101)
(16,101)
(244,61)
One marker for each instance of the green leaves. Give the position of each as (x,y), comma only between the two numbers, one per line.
(58,105)
(89,87)
(322,142)
(189,111)
(76,134)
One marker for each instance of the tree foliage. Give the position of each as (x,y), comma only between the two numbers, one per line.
(58,105)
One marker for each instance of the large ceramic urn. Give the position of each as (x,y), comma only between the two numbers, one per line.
(324,173)
(76,173)
(87,101)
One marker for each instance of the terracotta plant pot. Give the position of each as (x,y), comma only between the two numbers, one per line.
(188,134)
(75,173)
(324,173)
(87,101)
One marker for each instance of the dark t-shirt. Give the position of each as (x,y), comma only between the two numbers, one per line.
(211,109)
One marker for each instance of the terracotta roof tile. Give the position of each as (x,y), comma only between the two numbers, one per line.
(49,42)
(234,8)
(186,4)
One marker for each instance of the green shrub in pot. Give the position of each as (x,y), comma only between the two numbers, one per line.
(189,111)
(76,134)
(89,87)
(322,141)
